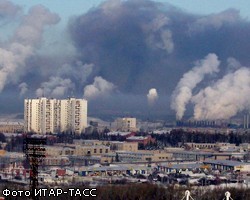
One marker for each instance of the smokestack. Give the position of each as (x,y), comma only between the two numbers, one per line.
(247,121)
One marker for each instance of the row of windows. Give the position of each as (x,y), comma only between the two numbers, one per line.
(100,150)
(163,158)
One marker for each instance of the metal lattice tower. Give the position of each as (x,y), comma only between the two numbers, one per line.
(35,152)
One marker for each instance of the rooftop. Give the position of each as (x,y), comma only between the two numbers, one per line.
(231,163)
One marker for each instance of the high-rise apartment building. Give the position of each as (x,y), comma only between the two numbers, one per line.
(51,115)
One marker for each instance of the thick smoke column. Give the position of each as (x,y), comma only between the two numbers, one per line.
(152,96)
(225,98)
(131,44)
(121,38)
(22,45)
(183,91)
(100,88)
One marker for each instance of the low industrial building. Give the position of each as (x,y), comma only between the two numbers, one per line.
(138,156)
(121,134)
(124,146)
(228,165)
(178,168)
(141,139)
(217,145)
(204,155)
(100,170)
(91,150)
(11,127)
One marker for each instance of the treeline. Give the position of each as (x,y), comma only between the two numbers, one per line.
(149,192)
(175,137)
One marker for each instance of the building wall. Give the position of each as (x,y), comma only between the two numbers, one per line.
(126,124)
(64,114)
(95,150)
(11,128)
(161,156)
(31,115)
(124,146)
(208,145)
(91,142)
(201,145)
(53,151)
(130,146)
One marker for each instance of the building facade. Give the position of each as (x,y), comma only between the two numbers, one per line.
(126,124)
(51,115)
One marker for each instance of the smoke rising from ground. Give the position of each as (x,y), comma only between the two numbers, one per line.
(152,96)
(183,91)
(128,46)
(225,98)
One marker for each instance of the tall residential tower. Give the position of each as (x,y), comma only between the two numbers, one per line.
(51,115)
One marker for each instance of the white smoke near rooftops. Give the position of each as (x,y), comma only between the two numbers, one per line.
(152,96)
(55,87)
(225,98)
(183,91)
(100,87)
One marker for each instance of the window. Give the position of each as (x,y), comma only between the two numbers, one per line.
(94,150)
(100,150)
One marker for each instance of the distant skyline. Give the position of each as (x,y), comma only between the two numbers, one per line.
(136,57)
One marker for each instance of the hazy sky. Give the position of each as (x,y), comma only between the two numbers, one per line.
(133,57)
(67,8)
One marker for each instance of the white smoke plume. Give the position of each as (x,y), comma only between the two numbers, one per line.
(23,43)
(225,98)
(99,88)
(55,87)
(23,88)
(152,96)
(183,91)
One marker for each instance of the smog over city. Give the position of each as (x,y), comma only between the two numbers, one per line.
(125,99)
(135,57)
